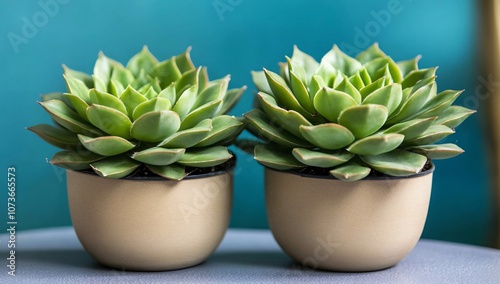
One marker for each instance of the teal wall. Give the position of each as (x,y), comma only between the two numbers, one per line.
(235,36)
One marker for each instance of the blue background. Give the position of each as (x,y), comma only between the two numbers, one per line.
(236,36)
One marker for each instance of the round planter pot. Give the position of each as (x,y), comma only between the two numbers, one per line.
(150,225)
(366,225)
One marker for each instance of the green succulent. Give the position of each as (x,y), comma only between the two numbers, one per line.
(165,115)
(350,116)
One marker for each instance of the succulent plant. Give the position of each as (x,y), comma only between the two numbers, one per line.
(164,115)
(349,117)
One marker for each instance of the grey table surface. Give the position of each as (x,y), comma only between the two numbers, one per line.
(54,255)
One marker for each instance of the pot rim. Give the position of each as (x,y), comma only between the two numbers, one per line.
(230,165)
(384,177)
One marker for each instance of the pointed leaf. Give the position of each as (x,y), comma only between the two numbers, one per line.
(259,122)
(56,136)
(196,116)
(290,120)
(431,135)
(370,53)
(56,96)
(300,92)
(213,92)
(78,88)
(131,99)
(365,91)
(156,104)
(122,75)
(439,103)
(363,120)
(188,79)
(342,61)
(357,81)
(223,127)
(102,71)
(79,105)
(408,65)
(158,156)
(260,81)
(205,157)
(169,94)
(106,145)
(116,88)
(143,60)
(189,137)
(396,163)
(437,152)
(230,99)
(110,120)
(167,71)
(453,116)
(276,158)
(376,144)
(350,172)
(172,172)
(330,103)
(115,167)
(389,96)
(347,87)
(108,100)
(67,118)
(155,126)
(183,61)
(321,159)
(330,136)
(282,93)
(414,103)
(416,75)
(86,78)
(74,160)
(186,101)
(412,128)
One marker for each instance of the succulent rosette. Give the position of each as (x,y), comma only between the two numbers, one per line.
(350,117)
(167,116)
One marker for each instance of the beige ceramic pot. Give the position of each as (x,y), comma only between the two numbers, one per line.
(366,225)
(150,225)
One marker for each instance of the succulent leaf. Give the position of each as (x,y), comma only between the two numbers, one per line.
(186,102)
(230,99)
(376,144)
(409,65)
(276,158)
(143,60)
(78,104)
(396,163)
(342,62)
(438,151)
(172,172)
(363,120)
(389,96)
(411,129)
(86,78)
(431,135)
(347,87)
(106,145)
(108,100)
(454,116)
(416,75)
(259,121)
(74,160)
(321,135)
(158,156)
(69,119)
(196,116)
(115,167)
(223,127)
(189,137)
(156,104)
(321,159)
(205,157)
(78,88)
(109,120)
(330,103)
(155,126)
(56,136)
(350,172)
